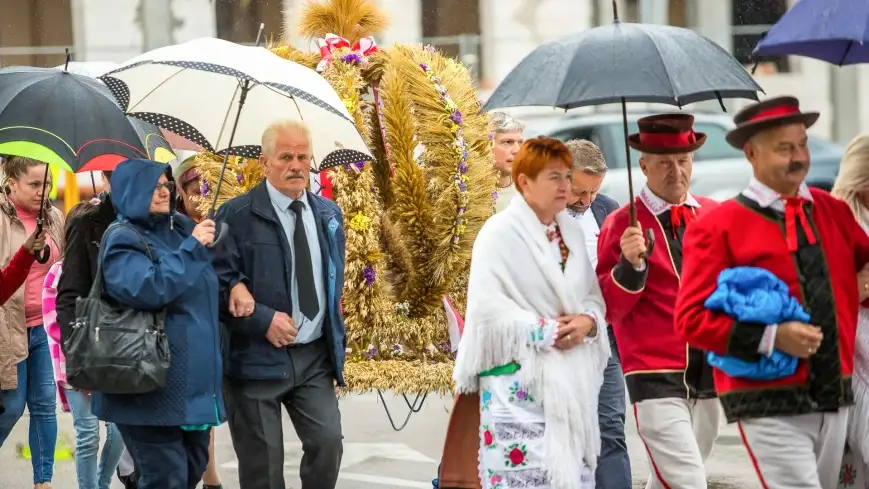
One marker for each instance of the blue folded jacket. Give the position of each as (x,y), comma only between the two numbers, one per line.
(754,295)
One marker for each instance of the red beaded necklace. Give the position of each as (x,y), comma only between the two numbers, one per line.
(554,234)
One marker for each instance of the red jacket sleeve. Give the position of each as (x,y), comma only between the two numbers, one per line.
(13,276)
(621,284)
(704,257)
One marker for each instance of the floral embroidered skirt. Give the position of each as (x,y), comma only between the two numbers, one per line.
(512,453)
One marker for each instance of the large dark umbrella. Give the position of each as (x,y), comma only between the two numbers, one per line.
(53,116)
(56,117)
(622,63)
(835,31)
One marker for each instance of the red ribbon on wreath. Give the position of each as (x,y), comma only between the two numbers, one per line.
(359,50)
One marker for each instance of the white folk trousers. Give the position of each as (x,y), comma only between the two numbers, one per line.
(678,435)
(797,452)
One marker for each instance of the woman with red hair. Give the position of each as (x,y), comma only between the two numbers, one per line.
(534,345)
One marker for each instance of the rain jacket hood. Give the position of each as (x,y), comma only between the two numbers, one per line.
(149,264)
(133,183)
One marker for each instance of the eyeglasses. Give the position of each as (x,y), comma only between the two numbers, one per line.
(170,186)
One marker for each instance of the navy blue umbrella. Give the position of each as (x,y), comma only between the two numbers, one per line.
(835,31)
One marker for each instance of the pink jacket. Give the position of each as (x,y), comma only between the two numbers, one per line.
(52,329)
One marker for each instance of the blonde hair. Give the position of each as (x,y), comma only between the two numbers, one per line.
(853,178)
(283,126)
(15,167)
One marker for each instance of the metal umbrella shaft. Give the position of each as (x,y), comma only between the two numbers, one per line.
(245,88)
(44,254)
(223,228)
(632,206)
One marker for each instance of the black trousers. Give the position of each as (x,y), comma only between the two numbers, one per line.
(167,457)
(308,395)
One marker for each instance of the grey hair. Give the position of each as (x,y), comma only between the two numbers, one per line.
(281,126)
(646,155)
(587,157)
(501,122)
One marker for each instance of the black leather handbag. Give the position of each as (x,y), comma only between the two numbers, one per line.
(114,349)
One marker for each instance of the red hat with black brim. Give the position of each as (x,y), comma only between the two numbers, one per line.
(666,134)
(768,114)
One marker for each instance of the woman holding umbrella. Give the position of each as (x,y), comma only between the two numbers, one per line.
(27,377)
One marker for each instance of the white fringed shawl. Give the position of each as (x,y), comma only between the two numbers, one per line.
(515,280)
(858,424)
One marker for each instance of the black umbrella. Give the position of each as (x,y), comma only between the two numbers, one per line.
(61,119)
(622,63)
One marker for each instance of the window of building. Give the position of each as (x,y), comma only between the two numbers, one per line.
(453,27)
(751,19)
(239,20)
(38,35)
(632,11)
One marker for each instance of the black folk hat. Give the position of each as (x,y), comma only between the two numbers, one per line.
(666,134)
(768,114)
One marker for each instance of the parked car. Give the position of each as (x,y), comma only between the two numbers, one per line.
(720,171)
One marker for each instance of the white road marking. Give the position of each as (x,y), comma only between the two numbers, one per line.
(355,454)
(384,481)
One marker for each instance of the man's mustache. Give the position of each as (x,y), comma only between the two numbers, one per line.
(797,166)
(295,174)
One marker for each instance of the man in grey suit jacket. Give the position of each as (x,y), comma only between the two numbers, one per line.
(589,169)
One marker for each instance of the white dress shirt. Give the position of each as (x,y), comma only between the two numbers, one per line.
(591,231)
(309,328)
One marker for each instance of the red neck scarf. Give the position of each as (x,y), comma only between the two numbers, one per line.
(679,215)
(794,211)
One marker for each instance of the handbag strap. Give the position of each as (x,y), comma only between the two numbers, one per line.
(96,287)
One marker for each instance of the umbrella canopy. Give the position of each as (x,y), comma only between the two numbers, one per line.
(625,62)
(105,159)
(835,31)
(92,69)
(156,146)
(61,118)
(194,89)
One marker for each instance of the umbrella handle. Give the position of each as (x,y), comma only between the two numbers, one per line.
(43,255)
(222,231)
(650,243)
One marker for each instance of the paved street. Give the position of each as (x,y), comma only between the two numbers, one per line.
(375,456)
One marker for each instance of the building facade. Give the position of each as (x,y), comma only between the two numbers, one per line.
(490,36)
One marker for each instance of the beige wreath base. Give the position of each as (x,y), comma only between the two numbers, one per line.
(398,377)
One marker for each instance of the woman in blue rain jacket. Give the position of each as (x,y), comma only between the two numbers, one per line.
(167,430)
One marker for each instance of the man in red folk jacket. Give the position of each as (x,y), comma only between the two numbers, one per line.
(793,428)
(669,384)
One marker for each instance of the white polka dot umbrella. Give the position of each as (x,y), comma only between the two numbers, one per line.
(197,90)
